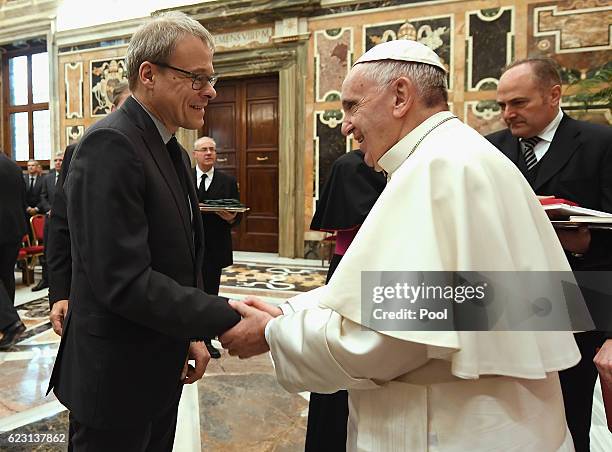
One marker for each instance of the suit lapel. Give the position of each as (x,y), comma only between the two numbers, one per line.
(160,155)
(564,144)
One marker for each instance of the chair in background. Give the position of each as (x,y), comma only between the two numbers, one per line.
(326,247)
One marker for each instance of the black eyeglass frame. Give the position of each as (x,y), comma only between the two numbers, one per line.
(195,78)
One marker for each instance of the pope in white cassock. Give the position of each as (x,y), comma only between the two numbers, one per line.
(452,203)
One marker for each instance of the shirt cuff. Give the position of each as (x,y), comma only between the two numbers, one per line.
(286,308)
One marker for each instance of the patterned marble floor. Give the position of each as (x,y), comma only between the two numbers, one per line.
(237,406)
(218,414)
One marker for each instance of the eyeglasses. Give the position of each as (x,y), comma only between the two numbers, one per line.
(197,80)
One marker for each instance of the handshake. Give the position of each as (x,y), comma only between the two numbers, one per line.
(245,339)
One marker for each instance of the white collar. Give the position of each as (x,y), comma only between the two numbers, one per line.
(549,131)
(400,151)
(209,173)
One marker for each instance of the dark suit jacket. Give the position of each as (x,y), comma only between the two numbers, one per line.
(47,193)
(577,167)
(135,300)
(59,260)
(13,223)
(218,243)
(33,195)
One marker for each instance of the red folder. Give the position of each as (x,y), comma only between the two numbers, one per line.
(546,201)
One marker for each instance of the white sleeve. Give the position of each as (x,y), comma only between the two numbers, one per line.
(304,300)
(318,350)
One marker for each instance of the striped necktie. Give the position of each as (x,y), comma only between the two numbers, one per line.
(527,145)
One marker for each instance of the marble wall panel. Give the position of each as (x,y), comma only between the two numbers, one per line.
(484,116)
(104,76)
(333,52)
(577,34)
(435,32)
(329,145)
(490,46)
(73,80)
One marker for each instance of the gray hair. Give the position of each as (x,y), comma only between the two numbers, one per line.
(429,81)
(155,40)
(199,140)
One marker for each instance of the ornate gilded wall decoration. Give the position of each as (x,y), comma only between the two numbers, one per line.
(73,79)
(329,145)
(435,32)
(490,46)
(74,133)
(333,50)
(105,75)
(484,116)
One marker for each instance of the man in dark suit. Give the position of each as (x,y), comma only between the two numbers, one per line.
(572,160)
(33,181)
(214,184)
(12,228)
(136,310)
(57,245)
(47,194)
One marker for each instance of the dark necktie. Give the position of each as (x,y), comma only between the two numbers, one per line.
(527,145)
(202,187)
(175,155)
(31,184)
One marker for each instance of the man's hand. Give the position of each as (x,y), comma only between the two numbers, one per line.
(575,240)
(199,353)
(603,362)
(227,216)
(247,338)
(32,211)
(57,315)
(258,303)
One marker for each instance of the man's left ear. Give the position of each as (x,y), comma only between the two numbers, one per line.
(404,96)
(555,95)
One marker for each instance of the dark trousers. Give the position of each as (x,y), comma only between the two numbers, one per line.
(211,274)
(577,384)
(154,436)
(327,413)
(8,257)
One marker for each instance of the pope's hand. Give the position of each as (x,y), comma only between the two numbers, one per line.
(199,353)
(603,362)
(247,338)
(258,303)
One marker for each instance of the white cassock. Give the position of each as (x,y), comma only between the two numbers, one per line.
(454,204)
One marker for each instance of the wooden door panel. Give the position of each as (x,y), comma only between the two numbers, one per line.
(243,120)
(262,130)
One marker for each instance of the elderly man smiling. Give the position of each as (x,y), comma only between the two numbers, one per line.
(424,390)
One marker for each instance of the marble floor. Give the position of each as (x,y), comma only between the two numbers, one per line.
(237,406)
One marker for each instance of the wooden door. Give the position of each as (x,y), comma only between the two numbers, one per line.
(243,120)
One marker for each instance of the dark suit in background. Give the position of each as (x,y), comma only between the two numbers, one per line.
(135,297)
(47,192)
(218,243)
(59,260)
(576,167)
(33,192)
(12,228)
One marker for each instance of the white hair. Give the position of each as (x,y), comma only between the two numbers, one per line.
(429,81)
(199,140)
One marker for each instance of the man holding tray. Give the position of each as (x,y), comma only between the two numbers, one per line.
(212,184)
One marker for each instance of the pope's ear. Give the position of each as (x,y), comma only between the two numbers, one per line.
(405,95)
